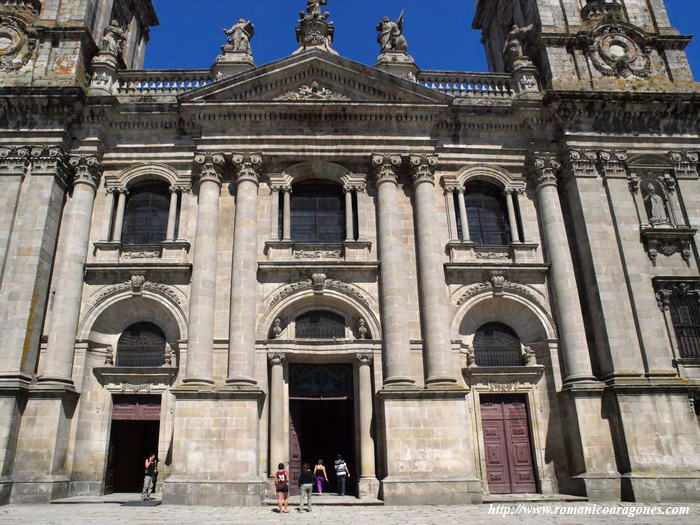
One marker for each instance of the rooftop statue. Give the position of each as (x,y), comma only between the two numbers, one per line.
(313,7)
(113,39)
(391,35)
(315,31)
(514,47)
(240,35)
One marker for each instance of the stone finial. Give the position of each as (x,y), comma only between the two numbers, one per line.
(423,168)
(237,54)
(248,166)
(544,168)
(211,166)
(386,167)
(87,169)
(314,30)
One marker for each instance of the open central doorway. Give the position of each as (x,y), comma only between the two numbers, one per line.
(134,436)
(321,425)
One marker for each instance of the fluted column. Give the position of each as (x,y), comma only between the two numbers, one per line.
(172,213)
(349,220)
(68,273)
(119,217)
(277,419)
(432,290)
(464,219)
(109,205)
(396,357)
(512,221)
(367,465)
(244,268)
(287,213)
(575,356)
(203,289)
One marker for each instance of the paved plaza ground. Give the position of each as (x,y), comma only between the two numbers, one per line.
(96,514)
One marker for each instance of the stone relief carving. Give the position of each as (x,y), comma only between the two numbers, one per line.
(311,93)
(529,356)
(302,253)
(497,285)
(160,289)
(18,43)
(617,50)
(345,288)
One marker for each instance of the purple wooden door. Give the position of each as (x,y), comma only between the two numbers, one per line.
(509,467)
(294,466)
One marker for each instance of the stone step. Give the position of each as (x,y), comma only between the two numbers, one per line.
(329,499)
(532,498)
(127,500)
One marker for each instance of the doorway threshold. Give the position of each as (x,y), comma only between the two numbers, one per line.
(126,499)
(531,498)
(330,500)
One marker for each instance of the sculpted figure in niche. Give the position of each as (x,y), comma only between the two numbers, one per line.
(113,39)
(391,36)
(656,208)
(240,35)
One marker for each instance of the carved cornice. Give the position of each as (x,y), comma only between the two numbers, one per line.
(211,166)
(686,163)
(423,168)
(248,166)
(87,169)
(386,167)
(544,168)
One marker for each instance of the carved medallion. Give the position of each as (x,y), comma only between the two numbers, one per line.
(17,44)
(618,51)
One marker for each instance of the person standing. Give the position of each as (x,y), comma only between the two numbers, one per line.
(151,470)
(320,475)
(282,488)
(306,483)
(342,474)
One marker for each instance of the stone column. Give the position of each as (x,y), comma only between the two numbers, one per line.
(244,268)
(172,213)
(119,218)
(365,391)
(432,291)
(523,222)
(396,349)
(287,213)
(349,220)
(68,274)
(464,219)
(277,419)
(109,205)
(512,220)
(203,295)
(274,213)
(575,356)
(451,212)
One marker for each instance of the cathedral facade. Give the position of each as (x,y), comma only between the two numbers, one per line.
(463,283)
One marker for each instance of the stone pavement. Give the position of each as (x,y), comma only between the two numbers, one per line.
(113,514)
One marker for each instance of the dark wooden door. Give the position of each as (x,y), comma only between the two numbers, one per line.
(509,466)
(294,447)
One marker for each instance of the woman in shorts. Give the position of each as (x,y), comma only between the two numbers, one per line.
(282,488)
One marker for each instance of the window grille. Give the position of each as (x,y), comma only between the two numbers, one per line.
(487,215)
(142,344)
(146,214)
(318,213)
(685,316)
(496,344)
(320,324)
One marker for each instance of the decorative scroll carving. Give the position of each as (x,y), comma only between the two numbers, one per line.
(498,285)
(87,169)
(545,168)
(386,167)
(311,93)
(248,166)
(211,166)
(328,284)
(423,167)
(116,289)
(304,253)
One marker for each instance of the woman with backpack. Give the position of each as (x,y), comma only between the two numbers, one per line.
(282,488)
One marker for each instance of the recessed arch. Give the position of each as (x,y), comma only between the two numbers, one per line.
(152,171)
(320,170)
(487,173)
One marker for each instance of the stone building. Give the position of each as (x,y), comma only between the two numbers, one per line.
(465,283)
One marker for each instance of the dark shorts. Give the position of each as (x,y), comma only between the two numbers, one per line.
(285,490)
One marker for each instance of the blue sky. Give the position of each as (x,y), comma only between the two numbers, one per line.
(439,31)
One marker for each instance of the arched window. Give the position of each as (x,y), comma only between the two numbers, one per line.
(487,214)
(318,212)
(142,344)
(496,344)
(146,214)
(320,324)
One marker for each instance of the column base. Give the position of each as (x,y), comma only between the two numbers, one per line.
(218,493)
(398,491)
(5,491)
(39,491)
(399,382)
(242,382)
(368,488)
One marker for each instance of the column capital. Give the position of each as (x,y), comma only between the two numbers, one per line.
(544,168)
(277,359)
(613,162)
(582,163)
(87,169)
(211,166)
(50,160)
(14,159)
(354,186)
(365,359)
(122,191)
(248,166)
(686,163)
(386,167)
(423,167)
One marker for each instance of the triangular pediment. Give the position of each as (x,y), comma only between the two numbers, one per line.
(315,77)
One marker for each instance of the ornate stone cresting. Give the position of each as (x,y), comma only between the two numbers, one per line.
(386,167)
(314,92)
(545,168)
(248,166)
(18,37)
(423,168)
(314,30)
(210,166)
(87,169)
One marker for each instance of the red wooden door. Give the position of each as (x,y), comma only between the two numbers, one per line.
(509,466)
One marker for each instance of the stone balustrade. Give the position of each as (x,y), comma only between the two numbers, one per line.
(160,82)
(468,85)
